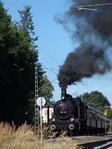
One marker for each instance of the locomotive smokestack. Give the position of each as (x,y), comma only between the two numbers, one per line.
(63,93)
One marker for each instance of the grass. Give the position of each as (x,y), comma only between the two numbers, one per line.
(28,137)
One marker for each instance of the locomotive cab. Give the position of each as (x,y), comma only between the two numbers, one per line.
(79,109)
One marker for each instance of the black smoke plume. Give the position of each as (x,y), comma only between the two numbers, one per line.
(92,28)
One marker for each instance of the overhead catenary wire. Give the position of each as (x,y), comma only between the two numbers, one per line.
(50,69)
(92,99)
(54,59)
(92,9)
(92,5)
(51,57)
(46,84)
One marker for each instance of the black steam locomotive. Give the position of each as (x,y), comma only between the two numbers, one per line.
(77,117)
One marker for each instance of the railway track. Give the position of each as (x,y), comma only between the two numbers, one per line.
(94,142)
(89,142)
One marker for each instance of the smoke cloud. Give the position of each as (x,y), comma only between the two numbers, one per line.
(93,30)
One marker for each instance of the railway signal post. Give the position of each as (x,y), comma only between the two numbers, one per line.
(41,102)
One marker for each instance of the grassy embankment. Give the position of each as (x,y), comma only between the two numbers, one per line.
(26,137)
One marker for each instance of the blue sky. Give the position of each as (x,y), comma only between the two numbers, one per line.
(55,43)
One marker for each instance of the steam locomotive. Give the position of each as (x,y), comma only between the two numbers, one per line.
(76,117)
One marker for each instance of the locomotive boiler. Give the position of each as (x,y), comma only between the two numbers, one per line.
(73,115)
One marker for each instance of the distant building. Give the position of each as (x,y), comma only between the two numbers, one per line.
(47,108)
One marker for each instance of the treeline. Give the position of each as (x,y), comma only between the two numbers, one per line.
(18,58)
(97,100)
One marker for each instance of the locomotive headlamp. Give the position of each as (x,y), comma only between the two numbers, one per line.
(63,97)
(72,119)
(53,119)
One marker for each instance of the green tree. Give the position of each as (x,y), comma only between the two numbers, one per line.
(9,70)
(18,58)
(26,28)
(17,63)
(96,99)
(45,88)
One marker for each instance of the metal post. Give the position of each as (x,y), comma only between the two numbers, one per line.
(41,102)
(48,114)
(36,94)
(41,120)
(105,125)
(105,114)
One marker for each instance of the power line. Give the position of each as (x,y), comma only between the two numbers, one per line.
(47,84)
(92,5)
(82,8)
(54,59)
(50,70)
(92,99)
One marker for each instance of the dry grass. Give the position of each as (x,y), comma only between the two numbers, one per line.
(61,143)
(28,137)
